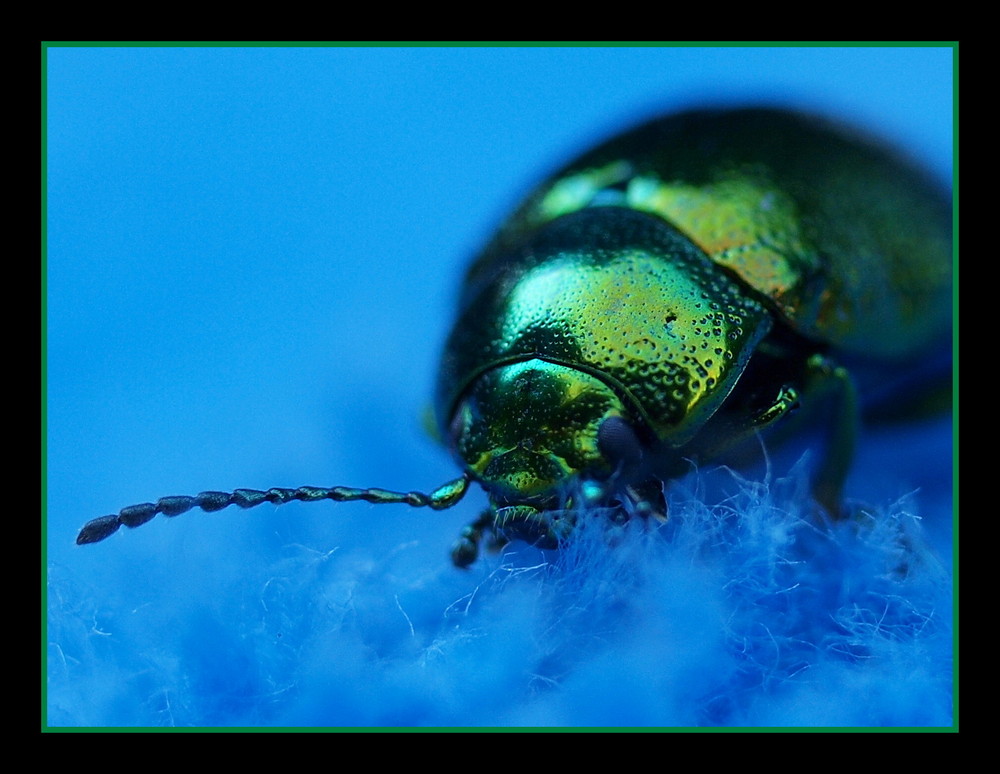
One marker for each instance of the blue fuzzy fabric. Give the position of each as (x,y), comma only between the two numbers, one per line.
(741,610)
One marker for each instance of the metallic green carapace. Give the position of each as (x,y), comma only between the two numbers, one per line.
(659,301)
(683,286)
(848,242)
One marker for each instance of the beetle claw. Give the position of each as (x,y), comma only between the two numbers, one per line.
(647,500)
(465,550)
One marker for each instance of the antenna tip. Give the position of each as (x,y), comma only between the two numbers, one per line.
(96,530)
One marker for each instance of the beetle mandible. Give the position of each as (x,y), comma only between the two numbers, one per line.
(661,300)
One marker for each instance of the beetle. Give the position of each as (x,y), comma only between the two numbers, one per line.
(661,300)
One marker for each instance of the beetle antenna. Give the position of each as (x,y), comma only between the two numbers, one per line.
(98,529)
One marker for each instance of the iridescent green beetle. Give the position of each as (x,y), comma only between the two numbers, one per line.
(661,300)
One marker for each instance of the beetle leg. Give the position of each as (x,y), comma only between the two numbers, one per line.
(466,548)
(833,383)
(788,399)
(726,434)
(647,499)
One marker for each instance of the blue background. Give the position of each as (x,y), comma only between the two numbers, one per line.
(252,260)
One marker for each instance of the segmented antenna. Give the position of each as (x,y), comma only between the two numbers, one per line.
(98,529)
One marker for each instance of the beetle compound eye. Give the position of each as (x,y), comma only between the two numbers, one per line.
(619,443)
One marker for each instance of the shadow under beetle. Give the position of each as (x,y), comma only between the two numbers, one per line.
(661,300)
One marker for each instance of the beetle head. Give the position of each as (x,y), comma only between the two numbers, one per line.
(538,436)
